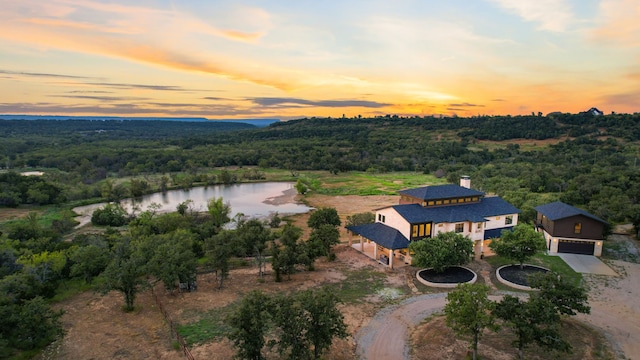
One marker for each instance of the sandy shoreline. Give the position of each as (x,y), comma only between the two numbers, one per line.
(287,196)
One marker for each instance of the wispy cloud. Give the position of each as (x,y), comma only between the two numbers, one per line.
(551,15)
(125,86)
(462,105)
(629,98)
(127,109)
(619,23)
(278,101)
(154,36)
(46,75)
(102,98)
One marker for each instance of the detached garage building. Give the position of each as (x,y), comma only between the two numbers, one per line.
(568,229)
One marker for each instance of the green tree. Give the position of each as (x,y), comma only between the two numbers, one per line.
(89,261)
(324,216)
(532,321)
(321,241)
(252,237)
(469,312)
(125,273)
(519,244)
(164,183)
(291,253)
(172,259)
(301,188)
(138,187)
(27,228)
(46,266)
(567,298)
(442,251)
(109,215)
(29,325)
(275,221)
(249,324)
(361,219)
(308,322)
(219,212)
(184,206)
(219,249)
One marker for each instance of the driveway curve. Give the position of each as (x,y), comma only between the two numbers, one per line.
(387,334)
(385,337)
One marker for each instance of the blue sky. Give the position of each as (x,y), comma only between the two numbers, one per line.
(289,59)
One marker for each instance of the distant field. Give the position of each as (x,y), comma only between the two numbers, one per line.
(525,144)
(12,214)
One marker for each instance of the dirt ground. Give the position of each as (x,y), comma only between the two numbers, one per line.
(98,329)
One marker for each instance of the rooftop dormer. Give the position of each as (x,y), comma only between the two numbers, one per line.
(442,195)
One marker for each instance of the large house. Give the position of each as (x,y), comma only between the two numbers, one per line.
(426,211)
(568,229)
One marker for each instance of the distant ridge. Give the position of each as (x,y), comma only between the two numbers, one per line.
(255,122)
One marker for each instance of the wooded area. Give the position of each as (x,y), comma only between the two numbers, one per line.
(584,160)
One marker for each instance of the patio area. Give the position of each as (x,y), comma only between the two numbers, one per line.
(380,254)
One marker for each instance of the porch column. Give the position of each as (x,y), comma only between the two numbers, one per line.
(361,243)
(390,259)
(375,251)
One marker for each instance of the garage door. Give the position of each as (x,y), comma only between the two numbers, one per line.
(576,247)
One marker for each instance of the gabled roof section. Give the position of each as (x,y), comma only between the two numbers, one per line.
(381,234)
(474,212)
(440,192)
(559,210)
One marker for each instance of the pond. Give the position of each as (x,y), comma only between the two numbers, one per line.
(255,200)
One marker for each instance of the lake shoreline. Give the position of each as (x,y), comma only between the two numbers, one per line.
(258,200)
(288,197)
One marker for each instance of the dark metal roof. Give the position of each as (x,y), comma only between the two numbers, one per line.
(381,234)
(440,192)
(559,210)
(474,212)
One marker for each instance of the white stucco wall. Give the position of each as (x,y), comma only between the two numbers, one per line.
(497,222)
(394,220)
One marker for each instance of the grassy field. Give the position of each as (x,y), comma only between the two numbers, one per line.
(364,183)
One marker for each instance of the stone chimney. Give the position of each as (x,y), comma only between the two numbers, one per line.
(465,181)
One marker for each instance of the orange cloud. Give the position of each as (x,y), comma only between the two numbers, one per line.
(620,23)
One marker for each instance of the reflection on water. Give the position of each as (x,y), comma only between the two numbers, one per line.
(248,199)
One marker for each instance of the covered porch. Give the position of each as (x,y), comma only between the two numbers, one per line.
(381,243)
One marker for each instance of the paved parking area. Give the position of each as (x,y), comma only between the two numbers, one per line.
(587,264)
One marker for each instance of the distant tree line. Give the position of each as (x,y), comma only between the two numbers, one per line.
(592,161)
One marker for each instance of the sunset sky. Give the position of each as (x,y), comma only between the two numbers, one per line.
(291,59)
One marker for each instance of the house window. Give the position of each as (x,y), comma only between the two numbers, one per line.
(419,231)
(438,202)
(467,199)
(577,228)
(381,218)
(430,203)
(508,220)
(460,227)
(454,201)
(447,201)
(479,228)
